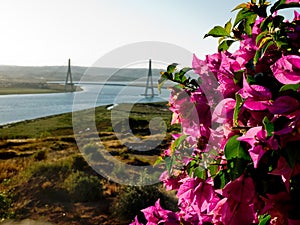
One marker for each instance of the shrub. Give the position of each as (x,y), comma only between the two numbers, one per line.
(40,155)
(5,205)
(50,170)
(79,162)
(132,199)
(82,187)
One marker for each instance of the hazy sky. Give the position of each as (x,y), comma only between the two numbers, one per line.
(48,32)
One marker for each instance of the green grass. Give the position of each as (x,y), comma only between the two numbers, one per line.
(59,125)
(39,128)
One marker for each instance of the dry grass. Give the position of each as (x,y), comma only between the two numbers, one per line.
(11,168)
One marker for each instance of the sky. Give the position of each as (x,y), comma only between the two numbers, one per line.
(48,32)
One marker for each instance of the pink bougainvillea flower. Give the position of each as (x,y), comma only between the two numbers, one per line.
(285,171)
(286,117)
(283,105)
(292,1)
(247,49)
(223,65)
(241,190)
(209,84)
(192,111)
(195,198)
(200,103)
(170,183)
(231,212)
(236,213)
(213,62)
(256,97)
(157,215)
(257,138)
(136,222)
(238,205)
(223,112)
(287,69)
(275,205)
(293,31)
(218,211)
(241,200)
(194,191)
(256,27)
(296,15)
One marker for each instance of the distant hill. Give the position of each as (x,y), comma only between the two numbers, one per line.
(58,73)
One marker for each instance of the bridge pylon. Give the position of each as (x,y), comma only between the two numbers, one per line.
(149,84)
(69,85)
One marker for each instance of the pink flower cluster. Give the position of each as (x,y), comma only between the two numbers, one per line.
(255,128)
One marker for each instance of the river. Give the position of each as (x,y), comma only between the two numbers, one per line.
(15,108)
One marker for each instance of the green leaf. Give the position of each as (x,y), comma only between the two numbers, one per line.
(238,76)
(171,68)
(225,44)
(200,172)
(194,84)
(228,26)
(236,167)
(266,23)
(260,37)
(239,101)
(213,169)
(164,77)
(263,2)
(169,164)
(240,6)
(176,144)
(264,219)
(158,161)
(263,47)
(293,87)
(235,149)
(185,70)
(267,46)
(282,44)
(269,127)
(221,179)
(179,77)
(276,5)
(249,23)
(243,14)
(251,80)
(257,56)
(217,31)
(282,5)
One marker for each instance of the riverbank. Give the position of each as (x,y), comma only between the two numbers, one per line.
(41,165)
(8,88)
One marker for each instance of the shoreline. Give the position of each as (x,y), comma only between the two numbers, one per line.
(33,88)
(48,125)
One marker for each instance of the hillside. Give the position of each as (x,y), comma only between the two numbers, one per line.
(58,73)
